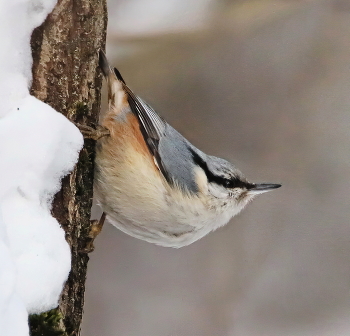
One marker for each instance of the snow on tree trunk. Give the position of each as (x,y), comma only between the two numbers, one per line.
(66,76)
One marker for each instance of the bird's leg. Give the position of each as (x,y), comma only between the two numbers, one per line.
(91,133)
(95,229)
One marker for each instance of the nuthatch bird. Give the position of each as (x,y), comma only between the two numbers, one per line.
(152,183)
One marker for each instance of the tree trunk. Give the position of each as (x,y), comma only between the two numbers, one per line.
(66,76)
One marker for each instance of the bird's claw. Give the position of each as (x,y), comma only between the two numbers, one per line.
(92,133)
(95,229)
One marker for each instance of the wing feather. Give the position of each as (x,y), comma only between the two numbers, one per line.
(152,127)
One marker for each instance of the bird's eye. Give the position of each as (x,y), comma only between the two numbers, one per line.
(228,184)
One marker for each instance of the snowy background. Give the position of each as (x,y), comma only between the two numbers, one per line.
(38,146)
(265,84)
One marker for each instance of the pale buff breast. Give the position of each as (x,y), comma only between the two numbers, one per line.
(136,197)
(126,177)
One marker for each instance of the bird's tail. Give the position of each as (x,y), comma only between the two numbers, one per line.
(103,63)
(106,68)
(115,84)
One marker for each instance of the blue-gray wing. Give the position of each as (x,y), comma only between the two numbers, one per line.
(169,148)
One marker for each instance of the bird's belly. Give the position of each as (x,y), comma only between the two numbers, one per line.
(161,218)
(138,201)
(161,230)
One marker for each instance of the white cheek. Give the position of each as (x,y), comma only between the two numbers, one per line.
(201,180)
(217,191)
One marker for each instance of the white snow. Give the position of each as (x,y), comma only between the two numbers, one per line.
(13,314)
(38,146)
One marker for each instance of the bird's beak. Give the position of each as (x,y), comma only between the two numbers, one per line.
(260,188)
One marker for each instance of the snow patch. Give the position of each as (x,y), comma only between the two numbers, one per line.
(13,314)
(38,146)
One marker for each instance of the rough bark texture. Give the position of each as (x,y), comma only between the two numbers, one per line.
(66,76)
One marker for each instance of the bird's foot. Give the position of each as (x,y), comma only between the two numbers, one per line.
(92,133)
(95,229)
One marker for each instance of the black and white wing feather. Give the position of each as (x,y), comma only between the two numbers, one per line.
(152,127)
(171,151)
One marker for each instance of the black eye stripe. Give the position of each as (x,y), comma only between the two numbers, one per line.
(227,183)
(233,183)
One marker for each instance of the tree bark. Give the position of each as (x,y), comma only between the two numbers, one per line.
(66,76)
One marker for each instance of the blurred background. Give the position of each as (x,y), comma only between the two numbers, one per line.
(266,85)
